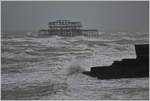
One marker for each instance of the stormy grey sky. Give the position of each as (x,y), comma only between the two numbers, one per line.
(130,16)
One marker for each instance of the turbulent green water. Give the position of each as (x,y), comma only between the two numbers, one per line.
(50,68)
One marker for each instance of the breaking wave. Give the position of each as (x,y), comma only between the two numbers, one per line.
(50,68)
(73,69)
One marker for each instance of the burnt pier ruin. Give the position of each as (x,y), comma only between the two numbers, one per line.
(66,28)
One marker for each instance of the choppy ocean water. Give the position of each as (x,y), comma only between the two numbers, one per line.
(50,68)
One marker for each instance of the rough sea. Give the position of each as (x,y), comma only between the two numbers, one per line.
(50,68)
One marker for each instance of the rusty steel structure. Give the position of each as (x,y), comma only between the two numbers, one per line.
(66,28)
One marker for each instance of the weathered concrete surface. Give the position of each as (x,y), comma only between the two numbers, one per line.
(127,68)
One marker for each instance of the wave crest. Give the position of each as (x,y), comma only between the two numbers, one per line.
(74,69)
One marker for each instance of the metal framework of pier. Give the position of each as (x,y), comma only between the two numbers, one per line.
(66,28)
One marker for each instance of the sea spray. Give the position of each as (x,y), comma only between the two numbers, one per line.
(75,66)
(73,69)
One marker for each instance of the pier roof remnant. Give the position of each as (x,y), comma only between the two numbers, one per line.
(65,28)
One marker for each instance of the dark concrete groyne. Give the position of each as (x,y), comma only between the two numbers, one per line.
(127,68)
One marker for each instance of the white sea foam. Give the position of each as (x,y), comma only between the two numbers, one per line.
(51,68)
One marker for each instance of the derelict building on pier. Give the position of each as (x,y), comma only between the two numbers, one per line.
(66,28)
